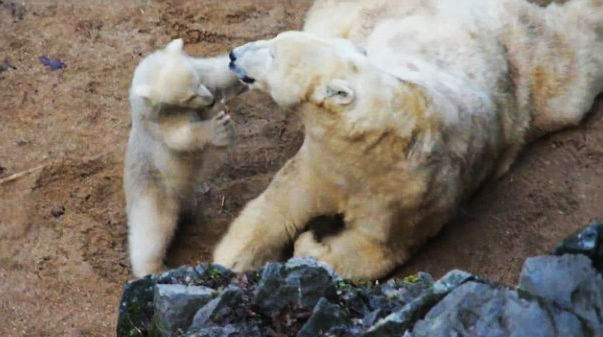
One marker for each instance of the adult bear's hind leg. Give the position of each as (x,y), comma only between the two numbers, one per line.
(362,250)
(352,254)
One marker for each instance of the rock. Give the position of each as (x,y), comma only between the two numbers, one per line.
(588,241)
(213,276)
(310,280)
(402,319)
(558,296)
(136,307)
(176,304)
(312,263)
(425,295)
(299,284)
(452,280)
(230,330)
(360,302)
(182,275)
(407,289)
(326,316)
(273,293)
(477,309)
(570,282)
(220,310)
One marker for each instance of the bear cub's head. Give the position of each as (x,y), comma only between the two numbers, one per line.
(168,77)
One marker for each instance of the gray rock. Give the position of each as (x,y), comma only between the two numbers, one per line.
(476,309)
(396,323)
(299,284)
(273,293)
(588,242)
(176,304)
(407,289)
(311,262)
(182,275)
(229,330)
(311,283)
(402,319)
(136,307)
(570,282)
(325,316)
(452,280)
(220,310)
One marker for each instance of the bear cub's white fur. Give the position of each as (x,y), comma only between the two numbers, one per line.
(169,96)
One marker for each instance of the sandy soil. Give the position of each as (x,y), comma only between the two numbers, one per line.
(63,252)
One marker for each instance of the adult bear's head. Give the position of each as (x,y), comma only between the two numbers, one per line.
(333,83)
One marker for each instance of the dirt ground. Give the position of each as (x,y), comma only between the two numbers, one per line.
(63,254)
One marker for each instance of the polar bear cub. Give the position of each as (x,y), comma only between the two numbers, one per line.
(170,94)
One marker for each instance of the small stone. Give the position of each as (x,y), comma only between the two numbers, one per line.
(325,316)
(6,65)
(17,9)
(176,304)
(52,64)
(57,211)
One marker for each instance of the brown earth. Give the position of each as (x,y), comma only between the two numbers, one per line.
(63,252)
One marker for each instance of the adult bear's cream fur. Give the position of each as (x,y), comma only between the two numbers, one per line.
(408,106)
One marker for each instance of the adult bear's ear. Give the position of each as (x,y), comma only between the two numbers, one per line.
(339,92)
(144,91)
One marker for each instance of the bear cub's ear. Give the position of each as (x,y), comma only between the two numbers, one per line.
(339,92)
(175,46)
(202,98)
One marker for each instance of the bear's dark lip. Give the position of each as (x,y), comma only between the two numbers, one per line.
(248,80)
(240,73)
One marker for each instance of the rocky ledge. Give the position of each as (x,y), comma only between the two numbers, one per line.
(557,295)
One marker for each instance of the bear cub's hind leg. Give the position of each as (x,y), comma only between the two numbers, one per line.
(152,222)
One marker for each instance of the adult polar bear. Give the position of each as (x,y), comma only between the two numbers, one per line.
(444,96)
